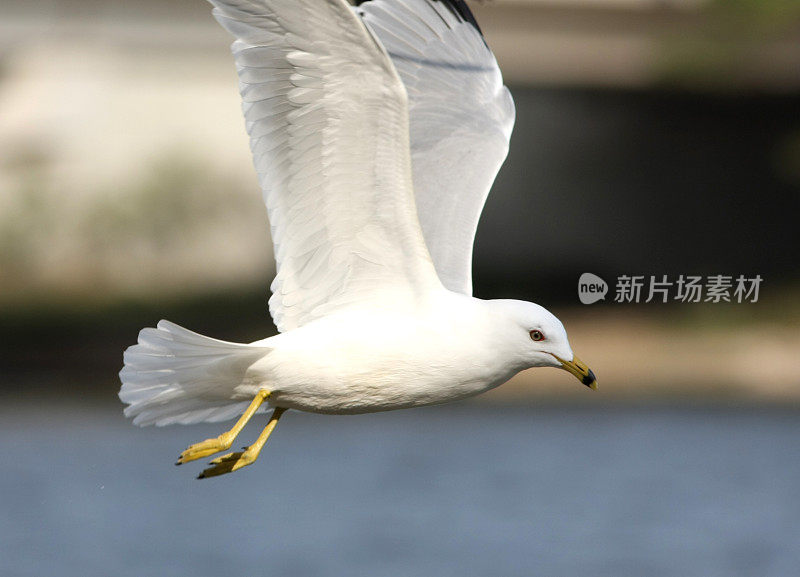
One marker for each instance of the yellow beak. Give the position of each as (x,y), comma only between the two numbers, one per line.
(578,368)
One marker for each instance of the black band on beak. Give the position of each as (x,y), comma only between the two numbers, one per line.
(589,379)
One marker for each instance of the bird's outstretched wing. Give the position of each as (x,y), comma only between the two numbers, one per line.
(461,119)
(328,124)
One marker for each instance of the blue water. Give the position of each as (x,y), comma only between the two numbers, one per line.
(460,491)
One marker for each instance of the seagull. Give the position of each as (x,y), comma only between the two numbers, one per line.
(376,130)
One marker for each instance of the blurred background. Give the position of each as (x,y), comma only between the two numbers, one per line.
(653,137)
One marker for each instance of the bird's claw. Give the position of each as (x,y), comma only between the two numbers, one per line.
(204,449)
(227,464)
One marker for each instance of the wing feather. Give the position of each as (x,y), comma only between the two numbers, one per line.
(461,120)
(328,123)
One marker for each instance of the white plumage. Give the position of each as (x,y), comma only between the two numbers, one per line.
(326,114)
(461,117)
(376,133)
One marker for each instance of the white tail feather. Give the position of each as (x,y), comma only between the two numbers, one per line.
(175,375)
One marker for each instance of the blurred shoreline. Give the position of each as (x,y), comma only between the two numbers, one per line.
(675,354)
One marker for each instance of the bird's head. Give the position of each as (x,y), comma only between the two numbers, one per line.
(537,338)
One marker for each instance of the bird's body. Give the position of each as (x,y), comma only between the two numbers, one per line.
(367,361)
(376,133)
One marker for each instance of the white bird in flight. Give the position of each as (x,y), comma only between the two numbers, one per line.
(376,131)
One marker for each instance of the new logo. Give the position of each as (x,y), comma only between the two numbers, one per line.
(591,288)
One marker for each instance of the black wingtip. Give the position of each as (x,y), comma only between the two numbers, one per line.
(460,6)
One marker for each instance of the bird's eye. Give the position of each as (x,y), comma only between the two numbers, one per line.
(537,335)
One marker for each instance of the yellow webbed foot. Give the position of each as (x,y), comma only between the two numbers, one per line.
(228,464)
(235,461)
(205,448)
(225,440)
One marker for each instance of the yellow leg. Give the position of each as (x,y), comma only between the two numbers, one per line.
(234,461)
(225,440)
